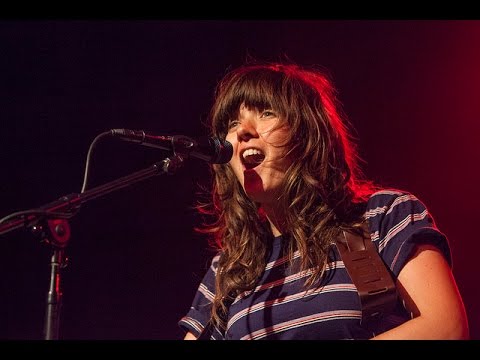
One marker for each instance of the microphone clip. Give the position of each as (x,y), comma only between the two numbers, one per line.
(182,145)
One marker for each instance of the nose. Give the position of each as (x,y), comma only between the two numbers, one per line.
(247,130)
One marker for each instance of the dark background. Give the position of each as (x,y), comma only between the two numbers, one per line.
(410,88)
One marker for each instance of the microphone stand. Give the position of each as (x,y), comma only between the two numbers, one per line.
(49,222)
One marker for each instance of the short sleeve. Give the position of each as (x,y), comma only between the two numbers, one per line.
(398,222)
(198,316)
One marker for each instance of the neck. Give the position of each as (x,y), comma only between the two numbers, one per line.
(276,220)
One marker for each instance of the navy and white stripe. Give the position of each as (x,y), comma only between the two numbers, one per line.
(279,307)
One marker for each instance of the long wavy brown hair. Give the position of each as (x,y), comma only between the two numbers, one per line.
(322,190)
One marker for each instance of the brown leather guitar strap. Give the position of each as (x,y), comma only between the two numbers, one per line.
(374,282)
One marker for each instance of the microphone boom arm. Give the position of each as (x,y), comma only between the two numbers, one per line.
(68,205)
(49,221)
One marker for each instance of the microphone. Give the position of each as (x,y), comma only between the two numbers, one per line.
(210,149)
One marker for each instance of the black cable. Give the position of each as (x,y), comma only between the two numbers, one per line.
(59,215)
(89,154)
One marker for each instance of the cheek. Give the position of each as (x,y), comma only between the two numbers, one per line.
(234,162)
(236,166)
(230,137)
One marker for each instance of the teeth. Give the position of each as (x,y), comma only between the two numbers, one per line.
(250,152)
(252,157)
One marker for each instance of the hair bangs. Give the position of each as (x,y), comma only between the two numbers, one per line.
(261,89)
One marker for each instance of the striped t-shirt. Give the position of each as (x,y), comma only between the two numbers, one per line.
(280,308)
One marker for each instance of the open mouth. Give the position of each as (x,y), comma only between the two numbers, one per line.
(252,158)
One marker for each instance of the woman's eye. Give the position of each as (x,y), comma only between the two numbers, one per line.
(267,113)
(232,124)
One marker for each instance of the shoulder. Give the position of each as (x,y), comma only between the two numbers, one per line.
(399,222)
(394,205)
(387,198)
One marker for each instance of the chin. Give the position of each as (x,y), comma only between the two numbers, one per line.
(252,184)
(255,193)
